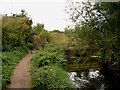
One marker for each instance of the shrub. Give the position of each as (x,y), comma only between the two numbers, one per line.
(59,48)
(16,30)
(47,71)
(46,35)
(30,45)
(47,59)
(38,28)
(49,77)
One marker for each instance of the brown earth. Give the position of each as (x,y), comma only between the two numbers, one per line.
(21,75)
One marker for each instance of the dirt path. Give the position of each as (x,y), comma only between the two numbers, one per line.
(21,76)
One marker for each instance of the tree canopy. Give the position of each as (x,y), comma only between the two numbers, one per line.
(96,26)
(16,30)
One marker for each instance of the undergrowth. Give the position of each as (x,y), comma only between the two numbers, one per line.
(47,71)
(9,61)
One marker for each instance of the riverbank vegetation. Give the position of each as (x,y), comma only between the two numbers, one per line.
(98,31)
(48,65)
(47,71)
(94,39)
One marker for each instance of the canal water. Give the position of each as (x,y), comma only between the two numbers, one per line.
(87,79)
(93,80)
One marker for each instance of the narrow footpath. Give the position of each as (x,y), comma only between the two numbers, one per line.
(21,75)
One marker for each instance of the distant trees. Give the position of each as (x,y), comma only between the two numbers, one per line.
(56,31)
(17,31)
(38,28)
(96,26)
(41,36)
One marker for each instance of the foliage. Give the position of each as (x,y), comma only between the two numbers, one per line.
(50,77)
(38,28)
(16,30)
(30,45)
(39,41)
(58,38)
(17,38)
(42,39)
(47,68)
(41,36)
(71,37)
(9,61)
(47,59)
(46,35)
(59,48)
(56,31)
(99,29)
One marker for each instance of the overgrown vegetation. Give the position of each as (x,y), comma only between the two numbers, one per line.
(16,41)
(9,61)
(48,64)
(40,35)
(98,31)
(47,69)
(46,35)
(50,77)
(16,30)
(58,38)
(95,37)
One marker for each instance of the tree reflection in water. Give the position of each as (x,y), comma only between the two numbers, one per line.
(87,79)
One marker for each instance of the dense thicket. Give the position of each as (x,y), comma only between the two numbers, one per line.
(16,30)
(40,35)
(96,26)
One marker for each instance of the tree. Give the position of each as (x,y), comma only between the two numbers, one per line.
(96,25)
(16,30)
(38,28)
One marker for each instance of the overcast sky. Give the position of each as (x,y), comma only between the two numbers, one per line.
(49,12)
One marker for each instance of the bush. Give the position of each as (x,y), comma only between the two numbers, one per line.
(59,48)
(46,35)
(16,30)
(37,29)
(30,45)
(47,59)
(49,77)
(47,71)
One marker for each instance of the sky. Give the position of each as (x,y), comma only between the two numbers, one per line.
(48,12)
